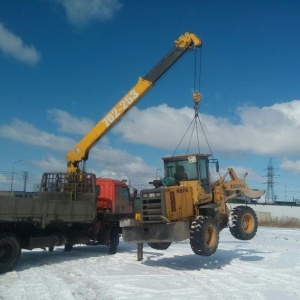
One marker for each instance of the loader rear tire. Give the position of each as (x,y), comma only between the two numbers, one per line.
(243,223)
(160,246)
(10,252)
(204,236)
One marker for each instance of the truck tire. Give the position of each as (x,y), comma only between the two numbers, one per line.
(243,223)
(10,252)
(160,246)
(114,239)
(204,236)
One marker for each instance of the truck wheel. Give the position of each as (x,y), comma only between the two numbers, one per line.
(204,236)
(114,240)
(160,246)
(243,223)
(10,252)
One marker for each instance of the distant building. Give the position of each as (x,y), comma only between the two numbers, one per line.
(287,203)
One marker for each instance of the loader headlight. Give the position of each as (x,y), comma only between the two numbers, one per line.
(151,195)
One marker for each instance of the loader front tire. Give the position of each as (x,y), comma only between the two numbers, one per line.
(243,223)
(10,252)
(204,236)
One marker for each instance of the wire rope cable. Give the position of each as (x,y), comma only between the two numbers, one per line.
(196,118)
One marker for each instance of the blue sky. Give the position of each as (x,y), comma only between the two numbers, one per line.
(64,64)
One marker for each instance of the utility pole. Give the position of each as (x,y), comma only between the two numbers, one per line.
(12,176)
(25,176)
(270,197)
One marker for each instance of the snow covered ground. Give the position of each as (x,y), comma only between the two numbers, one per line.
(267,267)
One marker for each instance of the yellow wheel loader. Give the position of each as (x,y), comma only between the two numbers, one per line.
(186,204)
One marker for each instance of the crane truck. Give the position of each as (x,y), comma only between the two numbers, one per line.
(76,207)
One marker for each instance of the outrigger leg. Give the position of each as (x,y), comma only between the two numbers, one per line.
(140,251)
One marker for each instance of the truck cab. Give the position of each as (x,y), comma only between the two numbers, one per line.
(114,197)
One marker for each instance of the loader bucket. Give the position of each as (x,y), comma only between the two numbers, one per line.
(254,194)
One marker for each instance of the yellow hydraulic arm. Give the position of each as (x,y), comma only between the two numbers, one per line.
(80,151)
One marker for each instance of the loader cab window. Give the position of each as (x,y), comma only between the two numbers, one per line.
(190,168)
(180,173)
(181,170)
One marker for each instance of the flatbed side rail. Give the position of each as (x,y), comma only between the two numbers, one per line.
(59,182)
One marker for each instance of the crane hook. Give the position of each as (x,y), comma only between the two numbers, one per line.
(197,99)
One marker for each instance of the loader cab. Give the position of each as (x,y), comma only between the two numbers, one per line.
(184,168)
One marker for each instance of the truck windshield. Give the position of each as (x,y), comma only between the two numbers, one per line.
(125,193)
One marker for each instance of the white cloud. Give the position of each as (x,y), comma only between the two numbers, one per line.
(102,157)
(290,110)
(119,162)
(160,126)
(263,131)
(270,131)
(291,166)
(80,12)
(28,134)
(70,124)
(13,45)
(51,164)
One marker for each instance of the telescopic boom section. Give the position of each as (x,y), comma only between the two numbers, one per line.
(80,151)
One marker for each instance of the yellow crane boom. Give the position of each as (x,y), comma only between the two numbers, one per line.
(80,151)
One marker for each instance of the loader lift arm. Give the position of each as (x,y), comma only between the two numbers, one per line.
(79,153)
